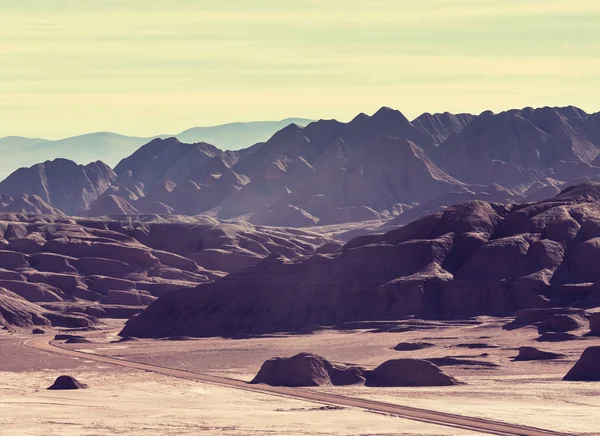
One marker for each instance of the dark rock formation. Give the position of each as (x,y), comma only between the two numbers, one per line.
(460,361)
(477,345)
(559,323)
(472,259)
(532,353)
(306,369)
(587,367)
(78,341)
(311,370)
(16,311)
(111,268)
(411,346)
(66,382)
(527,317)
(408,372)
(67,337)
(38,332)
(557,337)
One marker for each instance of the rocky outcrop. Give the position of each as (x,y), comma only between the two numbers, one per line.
(532,353)
(412,346)
(557,337)
(78,341)
(472,259)
(75,269)
(306,369)
(587,367)
(560,324)
(408,372)
(67,382)
(17,311)
(546,316)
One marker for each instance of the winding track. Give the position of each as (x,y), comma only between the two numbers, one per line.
(412,413)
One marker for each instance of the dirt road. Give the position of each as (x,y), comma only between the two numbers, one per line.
(423,415)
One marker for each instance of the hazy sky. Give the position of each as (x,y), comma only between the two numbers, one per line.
(145,67)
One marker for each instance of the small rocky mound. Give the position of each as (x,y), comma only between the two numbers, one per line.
(67,337)
(587,367)
(477,346)
(459,361)
(532,353)
(408,372)
(306,369)
(538,316)
(38,332)
(65,382)
(557,337)
(78,341)
(559,323)
(412,346)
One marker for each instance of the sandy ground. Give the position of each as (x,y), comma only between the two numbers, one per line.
(126,402)
(140,403)
(528,393)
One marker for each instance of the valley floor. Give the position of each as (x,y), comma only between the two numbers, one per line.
(129,402)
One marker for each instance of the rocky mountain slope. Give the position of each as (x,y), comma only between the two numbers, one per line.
(60,184)
(381,168)
(70,271)
(475,258)
(112,147)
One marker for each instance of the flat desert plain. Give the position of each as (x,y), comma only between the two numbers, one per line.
(124,401)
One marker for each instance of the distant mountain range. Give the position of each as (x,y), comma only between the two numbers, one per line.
(109,147)
(381,168)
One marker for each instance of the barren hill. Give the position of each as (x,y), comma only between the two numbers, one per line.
(97,268)
(475,258)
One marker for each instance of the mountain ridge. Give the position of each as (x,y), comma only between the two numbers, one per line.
(111,147)
(332,172)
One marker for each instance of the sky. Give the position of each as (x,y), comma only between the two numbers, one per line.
(145,67)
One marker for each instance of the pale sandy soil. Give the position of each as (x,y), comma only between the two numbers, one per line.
(125,402)
(528,393)
(122,402)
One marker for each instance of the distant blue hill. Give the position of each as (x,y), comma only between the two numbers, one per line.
(110,147)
